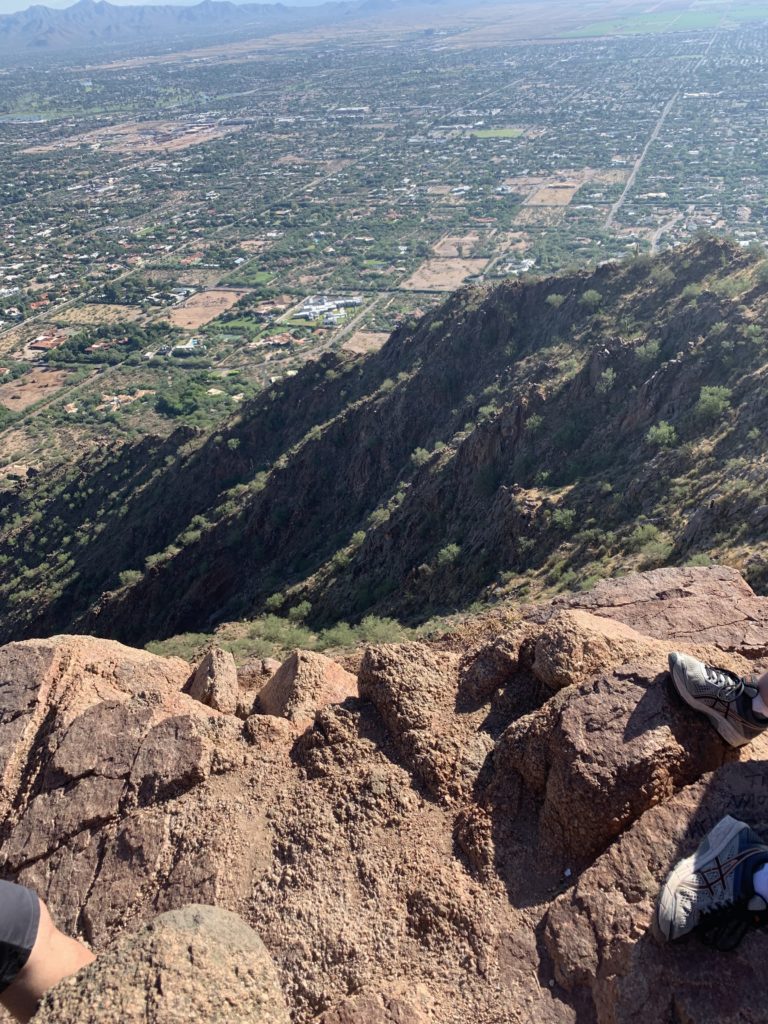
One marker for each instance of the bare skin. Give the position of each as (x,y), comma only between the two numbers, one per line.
(54,956)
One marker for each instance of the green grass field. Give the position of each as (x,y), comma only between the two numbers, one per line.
(498,133)
(673,21)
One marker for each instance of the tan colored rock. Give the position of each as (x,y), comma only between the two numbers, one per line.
(413,689)
(690,605)
(575,645)
(197,965)
(304,684)
(402,1003)
(215,681)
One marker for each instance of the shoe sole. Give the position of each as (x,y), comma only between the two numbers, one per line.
(729,732)
(716,841)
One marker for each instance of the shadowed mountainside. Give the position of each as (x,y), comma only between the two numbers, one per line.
(537,434)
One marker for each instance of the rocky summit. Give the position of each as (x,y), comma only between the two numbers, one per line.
(473,827)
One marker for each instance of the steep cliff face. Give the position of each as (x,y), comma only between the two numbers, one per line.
(559,429)
(474,828)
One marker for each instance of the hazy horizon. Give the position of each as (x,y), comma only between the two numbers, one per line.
(14,6)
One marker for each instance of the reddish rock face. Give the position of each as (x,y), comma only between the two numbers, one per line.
(479,835)
(597,933)
(691,605)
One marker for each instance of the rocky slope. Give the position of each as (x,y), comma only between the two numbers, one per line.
(537,434)
(474,829)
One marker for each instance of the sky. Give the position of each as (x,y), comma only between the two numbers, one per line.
(10,6)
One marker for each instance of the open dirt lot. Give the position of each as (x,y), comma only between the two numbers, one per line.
(560,189)
(537,216)
(200,309)
(365,341)
(456,245)
(38,383)
(443,275)
(512,241)
(138,137)
(99,313)
(559,194)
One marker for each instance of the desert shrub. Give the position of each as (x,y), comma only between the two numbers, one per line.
(699,559)
(606,381)
(714,401)
(419,456)
(648,352)
(340,635)
(373,630)
(691,292)
(130,576)
(340,560)
(563,518)
(591,299)
(661,435)
(555,301)
(448,554)
(299,612)
(378,516)
(662,276)
(642,535)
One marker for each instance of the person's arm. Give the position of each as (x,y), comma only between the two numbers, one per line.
(54,956)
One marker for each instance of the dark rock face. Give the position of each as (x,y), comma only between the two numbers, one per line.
(197,963)
(479,835)
(326,456)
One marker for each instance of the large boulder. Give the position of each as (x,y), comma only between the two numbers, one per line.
(46,684)
(599,754)
(414,690)
(690,605)
(575,645)
(196,965)
(116,794)
(304,684)
(214,682)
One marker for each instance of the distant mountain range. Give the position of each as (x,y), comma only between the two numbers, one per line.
(97,23)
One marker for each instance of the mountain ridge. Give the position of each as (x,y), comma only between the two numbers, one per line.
(536,434)
(93,23)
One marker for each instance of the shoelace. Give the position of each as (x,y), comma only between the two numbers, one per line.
(725,927)
(731,685)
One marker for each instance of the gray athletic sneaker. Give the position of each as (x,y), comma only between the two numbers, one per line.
(725,699)
(713,891)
